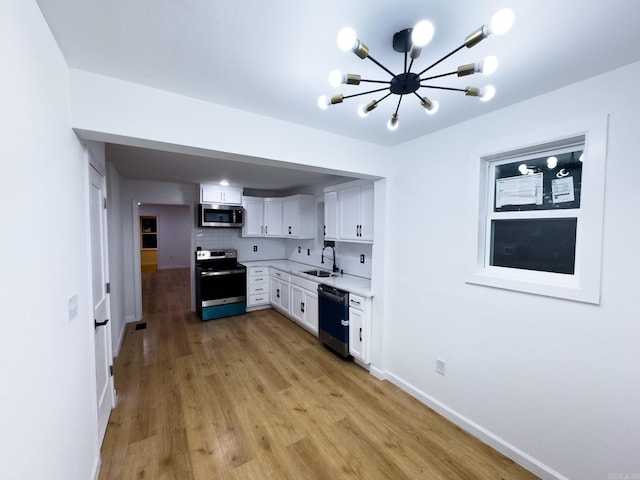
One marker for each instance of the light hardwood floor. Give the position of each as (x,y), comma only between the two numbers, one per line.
(257,397)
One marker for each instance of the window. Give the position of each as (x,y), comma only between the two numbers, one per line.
(539,224)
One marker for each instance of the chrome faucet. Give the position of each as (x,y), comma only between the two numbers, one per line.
(335,269)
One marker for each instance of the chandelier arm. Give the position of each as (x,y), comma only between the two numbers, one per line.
(381,66)
(443,88)
(387,82)
(399,101)
(410,63)
(439,76)
(365,93)
(442,59)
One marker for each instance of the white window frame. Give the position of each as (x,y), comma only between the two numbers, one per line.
(584,284)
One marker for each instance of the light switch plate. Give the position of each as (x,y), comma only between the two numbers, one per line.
(73,306)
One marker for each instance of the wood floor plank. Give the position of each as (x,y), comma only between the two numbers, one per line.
(257,397)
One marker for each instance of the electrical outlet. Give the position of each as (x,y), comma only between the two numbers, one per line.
(73,306)
(440,365)
(255,248)
(362,258)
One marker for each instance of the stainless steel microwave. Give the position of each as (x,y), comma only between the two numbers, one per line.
(218,215)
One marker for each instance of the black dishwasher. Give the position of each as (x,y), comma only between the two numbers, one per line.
(333,319)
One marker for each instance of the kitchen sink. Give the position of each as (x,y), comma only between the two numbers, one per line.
(318,273)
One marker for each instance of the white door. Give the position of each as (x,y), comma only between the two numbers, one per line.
(99,279)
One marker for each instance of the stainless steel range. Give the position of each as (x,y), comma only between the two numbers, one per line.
(221,285)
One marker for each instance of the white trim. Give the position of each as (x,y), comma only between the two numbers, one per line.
(584,285)
(478,431)
(95,470)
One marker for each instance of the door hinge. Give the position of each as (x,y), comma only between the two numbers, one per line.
(108,287)
(111,370)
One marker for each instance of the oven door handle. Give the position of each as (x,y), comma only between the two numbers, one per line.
(221,272)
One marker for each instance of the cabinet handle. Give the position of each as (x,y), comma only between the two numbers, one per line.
(278,293)
(355,301)
(259,289)
(324,230)
(265,229)
(289,230)
(302,307)
(360,334)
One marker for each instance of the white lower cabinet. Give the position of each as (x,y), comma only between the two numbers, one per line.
(304,303)
(257,287)
(359,327)
(279,290)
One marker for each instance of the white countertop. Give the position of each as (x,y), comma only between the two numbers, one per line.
(350,283)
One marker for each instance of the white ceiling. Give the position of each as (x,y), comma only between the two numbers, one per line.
(273,58)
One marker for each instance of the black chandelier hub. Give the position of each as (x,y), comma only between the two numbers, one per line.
(405,83)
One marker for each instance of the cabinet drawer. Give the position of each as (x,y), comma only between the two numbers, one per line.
(253,271)
(309,285)
(280,275)
(356,301)
(258,279)
(261,288)
(258,299)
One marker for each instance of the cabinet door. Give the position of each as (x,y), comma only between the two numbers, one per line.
(310,304)
(356,333)
(331,215)
(297,304)
(285,296)
(253,225)
(273,217)
(349,213)
(366,213)
(274,291)
(233,197)
(211,195)
(291,217)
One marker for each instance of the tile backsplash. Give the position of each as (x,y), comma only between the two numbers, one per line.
(347,254)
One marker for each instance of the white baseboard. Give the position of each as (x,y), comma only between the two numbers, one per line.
(481,433)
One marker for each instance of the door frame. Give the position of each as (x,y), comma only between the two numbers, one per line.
(111,392)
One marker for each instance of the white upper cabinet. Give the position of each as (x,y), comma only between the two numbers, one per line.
(253,225)
(220,194)
(349,212)
(273,217)
(331,215)
(290,217)
(298,216)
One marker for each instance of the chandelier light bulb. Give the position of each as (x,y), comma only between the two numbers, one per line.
(362,111)
(487,93)
(489,65)
(435,106)
(323,102)
(335,78)
(347,39)
(502,21)
(422,33)
(552,162)
(392,124)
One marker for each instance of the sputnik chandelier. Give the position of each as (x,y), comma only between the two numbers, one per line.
(410,42)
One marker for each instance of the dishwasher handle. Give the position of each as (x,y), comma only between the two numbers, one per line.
(338,296)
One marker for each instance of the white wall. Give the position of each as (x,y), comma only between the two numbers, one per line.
(116,258)
(557,380)
(48,424)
